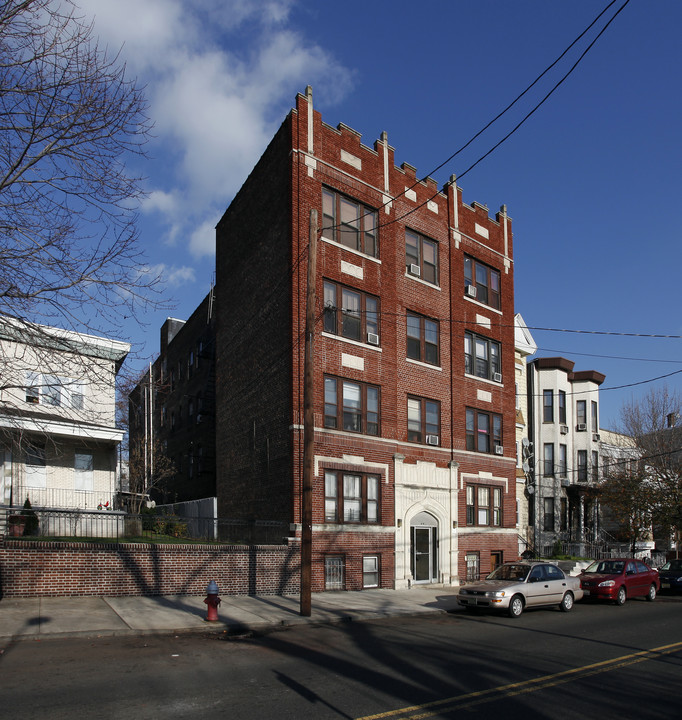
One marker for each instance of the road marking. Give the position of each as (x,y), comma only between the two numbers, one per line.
(478,697)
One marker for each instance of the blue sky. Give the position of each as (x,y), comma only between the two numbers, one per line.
(591,180)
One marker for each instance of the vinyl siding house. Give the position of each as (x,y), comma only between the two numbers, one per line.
(58,434)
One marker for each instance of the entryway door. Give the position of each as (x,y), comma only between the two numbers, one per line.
(424,548)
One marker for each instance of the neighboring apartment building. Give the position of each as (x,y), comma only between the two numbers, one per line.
(564,425)
(414,449)
(58,434)
(174,416)
(524,347)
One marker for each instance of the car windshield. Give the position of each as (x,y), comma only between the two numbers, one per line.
(673,565)
(606,567)
(510,572)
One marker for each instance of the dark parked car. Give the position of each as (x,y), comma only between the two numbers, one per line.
(671,575)
(619,579)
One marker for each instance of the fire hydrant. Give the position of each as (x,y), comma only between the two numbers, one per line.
(212,601)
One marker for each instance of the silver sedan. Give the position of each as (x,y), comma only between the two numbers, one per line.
(516,586)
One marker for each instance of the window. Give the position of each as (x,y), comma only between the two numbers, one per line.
(350,313)
(349,223)
(423,420)
(563,460)
(484,279)
(423,254)
(54,391)
(473,566)
(595,422)
(481,357)
(351,406)
(582,465)
(351,497)
(483,431)
(422,339)
(595,466)
(581,413)
(548,470)
(333,572)
(484,505)
(548,522)
(562,407)
(547,406)
(564,514)
(83,471)
(370,571)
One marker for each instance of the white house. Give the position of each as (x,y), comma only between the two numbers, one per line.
(58,435)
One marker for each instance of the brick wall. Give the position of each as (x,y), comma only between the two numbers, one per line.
(48,569)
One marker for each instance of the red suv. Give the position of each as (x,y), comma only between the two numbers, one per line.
(619,579)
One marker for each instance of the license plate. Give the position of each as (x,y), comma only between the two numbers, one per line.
(665,584)
(586,592)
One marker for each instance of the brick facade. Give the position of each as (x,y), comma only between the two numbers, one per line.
(50,569)
(262,247)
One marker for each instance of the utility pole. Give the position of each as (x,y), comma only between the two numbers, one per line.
(308,426)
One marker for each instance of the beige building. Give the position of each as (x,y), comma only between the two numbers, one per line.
(58,435)
(524,347)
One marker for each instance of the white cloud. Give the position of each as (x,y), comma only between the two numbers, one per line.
(220,77)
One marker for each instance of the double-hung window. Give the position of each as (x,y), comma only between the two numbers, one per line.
(547,406)
(483,431)
(351,497)
(84,471)
(562,407)
(423,420)
(482,357)
(484,282)
(581,414)
(563,460)
(484,505)
(595,420)
(351,406)
(54,391)
(421,257)
(582,466)
(422,339)
(349,223)
(350,313)
(548,460)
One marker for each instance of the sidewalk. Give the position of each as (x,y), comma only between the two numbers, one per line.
(57,617)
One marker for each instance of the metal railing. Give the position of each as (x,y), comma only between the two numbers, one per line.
(117,526)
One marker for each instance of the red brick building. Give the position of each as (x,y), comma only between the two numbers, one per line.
(414,361)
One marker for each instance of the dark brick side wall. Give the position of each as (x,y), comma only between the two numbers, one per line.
(50,569)
(253,305)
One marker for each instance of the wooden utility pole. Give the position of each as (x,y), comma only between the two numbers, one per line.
(308,426)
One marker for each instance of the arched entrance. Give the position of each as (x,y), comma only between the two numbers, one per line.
(424,548)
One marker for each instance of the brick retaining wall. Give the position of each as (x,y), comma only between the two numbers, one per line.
(44,569)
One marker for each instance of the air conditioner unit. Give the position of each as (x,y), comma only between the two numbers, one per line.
(470,291)
(596,437)
(432,439)
(563,429)
(415,270)
(497,377)
(581,427)
(372,338)
(565,482)
(499,450)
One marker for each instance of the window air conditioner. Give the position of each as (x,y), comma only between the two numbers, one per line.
(563,429)
(470,291)
(415,270)
(581,427)
(497,377)
(499,450)
(372,338)
(596,437)
(432,439)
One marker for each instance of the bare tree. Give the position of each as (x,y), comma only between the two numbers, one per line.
(653,423)
(71,122)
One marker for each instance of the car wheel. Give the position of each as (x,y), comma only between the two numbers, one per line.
(515,606)
(621,596)
(651,595)
(566,604)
